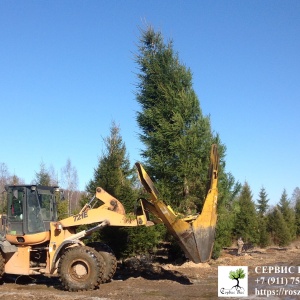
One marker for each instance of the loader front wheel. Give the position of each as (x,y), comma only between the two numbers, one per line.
(81,269)
(109,257)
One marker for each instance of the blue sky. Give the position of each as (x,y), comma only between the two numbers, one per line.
(67,71)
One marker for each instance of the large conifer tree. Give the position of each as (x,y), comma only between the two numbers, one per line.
(176,135)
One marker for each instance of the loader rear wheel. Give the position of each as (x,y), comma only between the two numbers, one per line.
(109,257)
(81,269)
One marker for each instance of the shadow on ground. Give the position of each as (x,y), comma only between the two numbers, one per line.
(131,268)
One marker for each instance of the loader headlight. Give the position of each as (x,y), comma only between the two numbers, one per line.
(20,239)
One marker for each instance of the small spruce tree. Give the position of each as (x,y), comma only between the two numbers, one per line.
(246,223)
(278,228)
(262,202)
(114,175)
(226,212)
(43,177)
(262,207)
(296,197)
(288,214)
(264,236)
(113,172)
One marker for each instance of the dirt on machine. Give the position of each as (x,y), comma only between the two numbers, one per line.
(34,242)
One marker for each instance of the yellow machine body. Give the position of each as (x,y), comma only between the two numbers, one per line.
(25,251)
(18,247)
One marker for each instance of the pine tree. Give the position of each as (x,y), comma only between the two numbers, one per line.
(43,176)
(262,207)
(264,236)
(114,175)
(176,135)
(262,201)
(278,228)
(113,172)
(246,223)
(296,198)
(288,214)
(224,229)
(226,212)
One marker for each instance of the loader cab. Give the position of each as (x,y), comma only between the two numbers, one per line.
(30,209)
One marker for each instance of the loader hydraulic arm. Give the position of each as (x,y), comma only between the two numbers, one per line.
(111,212)
(110,202)
(195,235)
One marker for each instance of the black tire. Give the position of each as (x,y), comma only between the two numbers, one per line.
(110,260)
(2,265)
(81,269)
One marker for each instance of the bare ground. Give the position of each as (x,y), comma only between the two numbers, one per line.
(153,281)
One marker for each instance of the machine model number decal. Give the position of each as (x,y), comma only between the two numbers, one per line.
(80,216)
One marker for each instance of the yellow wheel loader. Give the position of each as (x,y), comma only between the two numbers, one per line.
(33,242)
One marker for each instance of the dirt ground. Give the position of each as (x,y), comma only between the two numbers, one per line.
(153,281)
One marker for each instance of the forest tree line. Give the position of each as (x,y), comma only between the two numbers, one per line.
(177,138)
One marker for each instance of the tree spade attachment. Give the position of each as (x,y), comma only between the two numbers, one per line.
(195,234)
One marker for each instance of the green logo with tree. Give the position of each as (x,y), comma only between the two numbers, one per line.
(237,275)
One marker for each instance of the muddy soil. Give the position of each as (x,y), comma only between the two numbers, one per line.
(153,281)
